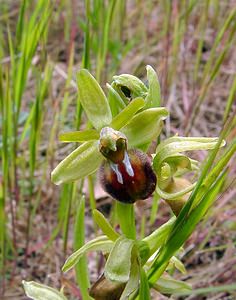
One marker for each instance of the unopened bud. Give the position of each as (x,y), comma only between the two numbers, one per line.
(176,185)
(104,289)
(129,87)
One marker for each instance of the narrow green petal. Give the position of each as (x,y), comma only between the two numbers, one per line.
(145,126)
(93,100)
(127,113)
(81,162)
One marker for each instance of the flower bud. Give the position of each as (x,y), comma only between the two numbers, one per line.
(176,185)
(104,289)
(129,87)
(130,179)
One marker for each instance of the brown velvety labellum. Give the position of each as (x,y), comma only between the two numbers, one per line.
(137,187)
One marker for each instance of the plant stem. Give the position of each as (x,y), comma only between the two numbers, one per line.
(126,219)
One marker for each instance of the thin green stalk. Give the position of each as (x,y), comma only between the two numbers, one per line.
(126,219)
(155,204)
(211,69)
(143,226)
(201,31)
(105,36)
(86,50)
(34,140)
(66,99)
(2,237)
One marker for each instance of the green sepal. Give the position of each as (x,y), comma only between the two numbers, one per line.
(118,265)
(93,100)
(101,243)
(145,126)
(81,162)
(37,291)
(153,98)
(79,136)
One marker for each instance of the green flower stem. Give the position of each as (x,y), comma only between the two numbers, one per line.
(126,219)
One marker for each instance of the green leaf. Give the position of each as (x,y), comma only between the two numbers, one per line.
(144,292)
(168,285)
(145,126)
(98,244)
(105,225)
(153,98)
(118,265)
(39,291)
(79,136)
(127,113)
(93,100)
(80,163)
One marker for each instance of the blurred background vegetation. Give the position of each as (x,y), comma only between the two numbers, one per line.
(191,44)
